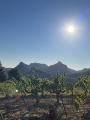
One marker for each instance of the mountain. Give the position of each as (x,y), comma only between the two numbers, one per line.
(46,71)
(38,66)
(73,77)
(40,73)
(23,67)
(83,70)
(87,72)
(59,67)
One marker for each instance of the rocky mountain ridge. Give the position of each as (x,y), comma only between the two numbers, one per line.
(49,70)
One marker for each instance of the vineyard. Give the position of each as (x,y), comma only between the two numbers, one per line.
(30,98)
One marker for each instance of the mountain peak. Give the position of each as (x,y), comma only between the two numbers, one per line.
(59,62)
(21,63)
(22,67)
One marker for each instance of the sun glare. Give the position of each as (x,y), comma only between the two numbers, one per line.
(71,28)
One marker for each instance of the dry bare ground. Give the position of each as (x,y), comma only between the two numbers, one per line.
(12,110)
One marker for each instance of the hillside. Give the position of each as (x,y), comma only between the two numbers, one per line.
(59,67)
(40,73)
(46,71)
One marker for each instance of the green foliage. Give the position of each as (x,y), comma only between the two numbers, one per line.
(70,86)
(3,75)
(14,73)
(58,83)
(7,86)
(81,99)
(83,82)
(35,85)
(44,85)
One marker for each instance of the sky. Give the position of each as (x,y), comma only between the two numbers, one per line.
(36,31)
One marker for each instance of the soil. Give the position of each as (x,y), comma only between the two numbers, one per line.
(12,110)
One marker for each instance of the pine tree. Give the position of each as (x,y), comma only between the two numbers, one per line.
(14,73)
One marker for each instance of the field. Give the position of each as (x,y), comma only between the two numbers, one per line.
(29,110)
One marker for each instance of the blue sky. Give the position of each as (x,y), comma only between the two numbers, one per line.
(35,31)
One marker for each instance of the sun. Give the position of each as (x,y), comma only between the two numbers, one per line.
(71,29)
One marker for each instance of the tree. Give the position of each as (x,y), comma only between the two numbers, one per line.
(83,82)
(57,86)
(44,85)
(3,75)
(35,86)
(7,86)
(14,73)
(70,87)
